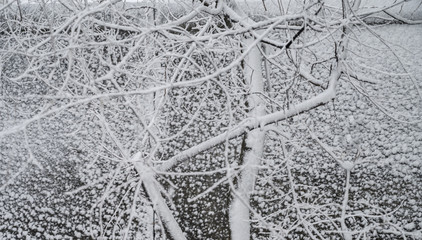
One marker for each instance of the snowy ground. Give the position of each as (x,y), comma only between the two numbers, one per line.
(34,205)
(390,177)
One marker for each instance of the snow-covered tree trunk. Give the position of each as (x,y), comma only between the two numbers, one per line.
(152,188)
(253,147)
(114,82)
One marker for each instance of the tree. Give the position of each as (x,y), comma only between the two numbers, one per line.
(151,88)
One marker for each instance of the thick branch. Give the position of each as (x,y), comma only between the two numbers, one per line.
(402,19)
(250,124)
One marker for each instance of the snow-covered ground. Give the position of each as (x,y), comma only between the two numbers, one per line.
(34,204)
(364,117)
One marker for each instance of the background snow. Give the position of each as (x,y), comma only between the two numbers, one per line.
(35,204)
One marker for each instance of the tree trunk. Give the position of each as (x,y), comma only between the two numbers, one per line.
(254,145)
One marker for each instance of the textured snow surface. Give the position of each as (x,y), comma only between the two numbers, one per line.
(388,173)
